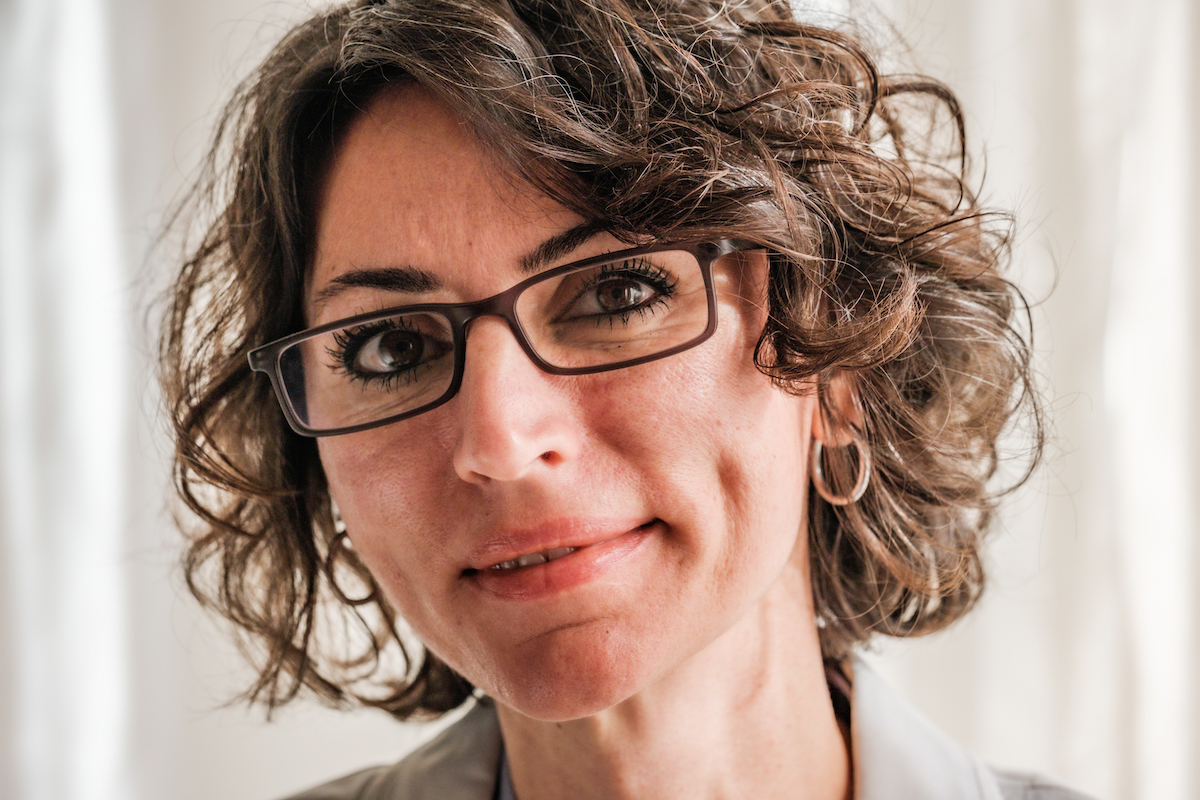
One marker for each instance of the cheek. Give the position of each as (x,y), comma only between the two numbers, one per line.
(391,475)
(715,423)
(363,480)
(723,453)
(387,496)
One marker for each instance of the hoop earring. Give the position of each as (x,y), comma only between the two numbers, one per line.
(817,470)
(335,547)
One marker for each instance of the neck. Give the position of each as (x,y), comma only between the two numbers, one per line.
(747,716)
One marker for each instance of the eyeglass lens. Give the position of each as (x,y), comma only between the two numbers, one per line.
(596,316)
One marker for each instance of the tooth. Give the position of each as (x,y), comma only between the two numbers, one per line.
(533,559)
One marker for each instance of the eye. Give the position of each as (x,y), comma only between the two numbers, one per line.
(621,294)
(616,290)
(405,348)
(389,351)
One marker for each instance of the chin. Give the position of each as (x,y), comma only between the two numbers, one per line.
(571,679)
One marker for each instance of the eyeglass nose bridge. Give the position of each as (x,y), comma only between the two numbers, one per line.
(502,305)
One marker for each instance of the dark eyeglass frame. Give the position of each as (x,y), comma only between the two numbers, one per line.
(267,357)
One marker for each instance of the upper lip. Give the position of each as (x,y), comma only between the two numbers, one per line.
(513,543)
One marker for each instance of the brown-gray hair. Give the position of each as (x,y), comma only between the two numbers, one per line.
(662,119)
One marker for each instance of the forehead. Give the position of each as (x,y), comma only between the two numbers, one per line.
(409,185)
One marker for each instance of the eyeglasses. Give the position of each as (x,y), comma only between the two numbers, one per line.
(603,313)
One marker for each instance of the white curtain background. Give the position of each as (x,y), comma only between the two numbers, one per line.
(1082,661)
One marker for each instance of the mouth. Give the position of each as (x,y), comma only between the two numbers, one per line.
(544,571)
(548,542)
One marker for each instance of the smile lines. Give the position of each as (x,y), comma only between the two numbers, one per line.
(534,559)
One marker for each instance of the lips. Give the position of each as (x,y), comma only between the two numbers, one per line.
(552,558)
(535,542)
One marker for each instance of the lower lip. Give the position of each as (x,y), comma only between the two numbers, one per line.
(574,569)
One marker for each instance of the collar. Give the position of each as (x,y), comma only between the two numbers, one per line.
(900,754)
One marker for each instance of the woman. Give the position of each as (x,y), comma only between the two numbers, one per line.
(633,362)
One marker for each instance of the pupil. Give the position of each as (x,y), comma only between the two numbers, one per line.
(399,349)
(621,294)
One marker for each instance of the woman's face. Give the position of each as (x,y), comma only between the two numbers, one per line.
(680,481)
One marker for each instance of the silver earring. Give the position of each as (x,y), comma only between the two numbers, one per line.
(860,484)
(339,526)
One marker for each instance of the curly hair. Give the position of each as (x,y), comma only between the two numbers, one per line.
(660,119)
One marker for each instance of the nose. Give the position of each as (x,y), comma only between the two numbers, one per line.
(514,419)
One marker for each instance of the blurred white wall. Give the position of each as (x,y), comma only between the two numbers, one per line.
(1082,660)
(112,684)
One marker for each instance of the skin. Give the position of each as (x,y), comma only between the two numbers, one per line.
(678,655)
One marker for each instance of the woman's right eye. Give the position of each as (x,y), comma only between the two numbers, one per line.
(389,351)
(394,349)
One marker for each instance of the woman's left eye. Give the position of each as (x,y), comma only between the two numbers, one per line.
(614,296)
(616,291)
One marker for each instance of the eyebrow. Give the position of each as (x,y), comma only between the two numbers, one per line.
(392,279)
(412,280)
(559,245)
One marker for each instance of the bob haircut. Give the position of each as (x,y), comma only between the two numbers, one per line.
(657,119)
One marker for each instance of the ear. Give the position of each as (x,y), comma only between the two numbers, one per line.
(837,413)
